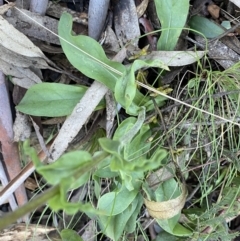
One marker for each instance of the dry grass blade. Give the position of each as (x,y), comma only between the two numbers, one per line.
(186,104)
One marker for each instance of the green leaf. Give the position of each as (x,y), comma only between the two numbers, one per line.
(110,146)
(144,165)
(159,100)
(114,226)
(114,148)
(103,170)
(64,167)
(140,145)
(132,221)
(70,235)
(172,15)
(131,180)
(113,203)
(87,55)
(141,99)
(167,191)
(158,156)
(139,164)
(178,230)
(52,99)
(167,237)
(97,186)
(124,127)
(126,87)
(31,152)
(122,219)
(125,139)
(169,224)
(205,26)
(60,202)
(105,173)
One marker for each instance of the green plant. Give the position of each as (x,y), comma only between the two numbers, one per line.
(96,65)
(168,12)
(138,150)
(127,157)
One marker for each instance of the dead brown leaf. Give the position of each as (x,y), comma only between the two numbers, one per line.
(167,209)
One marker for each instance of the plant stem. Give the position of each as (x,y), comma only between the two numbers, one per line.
(30,206)
(47,195)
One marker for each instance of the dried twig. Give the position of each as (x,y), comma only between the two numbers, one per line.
(9,149)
